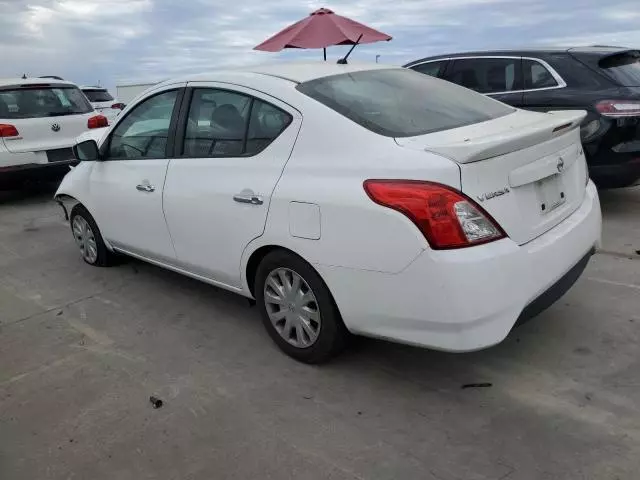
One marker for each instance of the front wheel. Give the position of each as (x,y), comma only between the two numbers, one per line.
(89,239)
(297,308)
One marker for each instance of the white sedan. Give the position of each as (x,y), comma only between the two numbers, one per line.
(344,199)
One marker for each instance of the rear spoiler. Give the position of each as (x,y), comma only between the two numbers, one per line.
(476,147)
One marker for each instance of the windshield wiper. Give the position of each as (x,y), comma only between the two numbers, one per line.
(59,114)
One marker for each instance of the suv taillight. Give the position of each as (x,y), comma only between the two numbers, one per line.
(446,217)
(8,131)
(619,108)
(98,121)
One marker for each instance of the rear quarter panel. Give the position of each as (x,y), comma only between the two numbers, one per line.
(332,158)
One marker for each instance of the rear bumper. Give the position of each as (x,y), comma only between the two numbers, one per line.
(469,299)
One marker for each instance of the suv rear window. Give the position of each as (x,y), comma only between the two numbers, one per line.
(624,68)
(401,102)
(98,95)
(33,101)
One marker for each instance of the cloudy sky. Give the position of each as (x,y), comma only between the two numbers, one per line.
(119,41)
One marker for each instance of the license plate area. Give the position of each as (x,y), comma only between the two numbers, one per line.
(551,193)
(59,155)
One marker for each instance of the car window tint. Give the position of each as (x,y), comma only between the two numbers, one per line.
(430,68)
(98,95)
(402,103)
(216,123)
(624,68)
(42,101)
(537,75)
(143,132)
(485,75)
(266,123)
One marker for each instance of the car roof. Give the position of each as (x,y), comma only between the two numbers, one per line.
(296,72)
(6,82)
(595,49)
(92,87)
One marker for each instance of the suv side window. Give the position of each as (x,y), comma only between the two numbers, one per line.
(536,75)
(486,75)
(144,131)
(435,69)
(222,123)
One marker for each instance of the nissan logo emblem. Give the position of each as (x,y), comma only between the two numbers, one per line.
(55,127)
(560,165)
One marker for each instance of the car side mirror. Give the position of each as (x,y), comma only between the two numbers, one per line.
(86,151)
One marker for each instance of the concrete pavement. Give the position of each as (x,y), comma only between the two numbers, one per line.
(82,349)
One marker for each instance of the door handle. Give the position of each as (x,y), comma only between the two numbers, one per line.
(145,187)
(251,198)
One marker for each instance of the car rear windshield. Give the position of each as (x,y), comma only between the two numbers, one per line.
(401,102)
(98,95)
(624,68)
(32,101)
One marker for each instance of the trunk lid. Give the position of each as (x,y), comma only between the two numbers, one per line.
(527,169)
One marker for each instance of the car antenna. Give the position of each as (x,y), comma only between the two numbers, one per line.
(343,60)
(24,76)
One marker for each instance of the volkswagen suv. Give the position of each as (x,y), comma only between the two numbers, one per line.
(40,120)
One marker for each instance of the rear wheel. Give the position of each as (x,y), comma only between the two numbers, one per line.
(297,308)
(89,239)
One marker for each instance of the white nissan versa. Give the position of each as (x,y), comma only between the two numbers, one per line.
(344,199)
(40,119)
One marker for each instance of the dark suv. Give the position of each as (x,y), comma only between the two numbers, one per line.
(605,81)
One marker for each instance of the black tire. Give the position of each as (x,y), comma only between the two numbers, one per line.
(105,257)
(332,336)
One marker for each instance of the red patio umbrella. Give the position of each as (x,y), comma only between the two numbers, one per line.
(322,29)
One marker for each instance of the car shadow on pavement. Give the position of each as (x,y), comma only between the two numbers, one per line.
(28,194)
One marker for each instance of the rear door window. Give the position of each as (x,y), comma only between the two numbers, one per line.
(34,101)
(536,75)
(435,69)
(623,68)
(402,103)
(486,75)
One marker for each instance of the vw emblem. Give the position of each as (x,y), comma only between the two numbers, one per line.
(560,165)
(55,127)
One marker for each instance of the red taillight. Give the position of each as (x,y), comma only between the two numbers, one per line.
(118,106)
(8,131)
(98,121)
(446,217)
(619,108)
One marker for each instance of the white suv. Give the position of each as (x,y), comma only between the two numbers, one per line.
(40,120)
(103,102)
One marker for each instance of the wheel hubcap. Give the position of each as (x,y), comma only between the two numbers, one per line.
(85,239)
(292,307)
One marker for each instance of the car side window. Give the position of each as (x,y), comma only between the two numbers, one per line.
(435,69)
(486,75)
(223,123)
(537,75)
(266,123)
(144,131)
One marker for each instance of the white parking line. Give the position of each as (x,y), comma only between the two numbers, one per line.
(611,282)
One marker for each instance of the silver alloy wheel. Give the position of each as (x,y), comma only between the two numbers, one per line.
(85,239)
(292,307)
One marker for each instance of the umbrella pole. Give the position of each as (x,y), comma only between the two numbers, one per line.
(325,54)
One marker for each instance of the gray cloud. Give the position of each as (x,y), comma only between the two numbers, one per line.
(131,40)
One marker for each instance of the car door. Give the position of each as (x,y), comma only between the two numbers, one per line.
(126,186)
(497,77)
(232,146)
